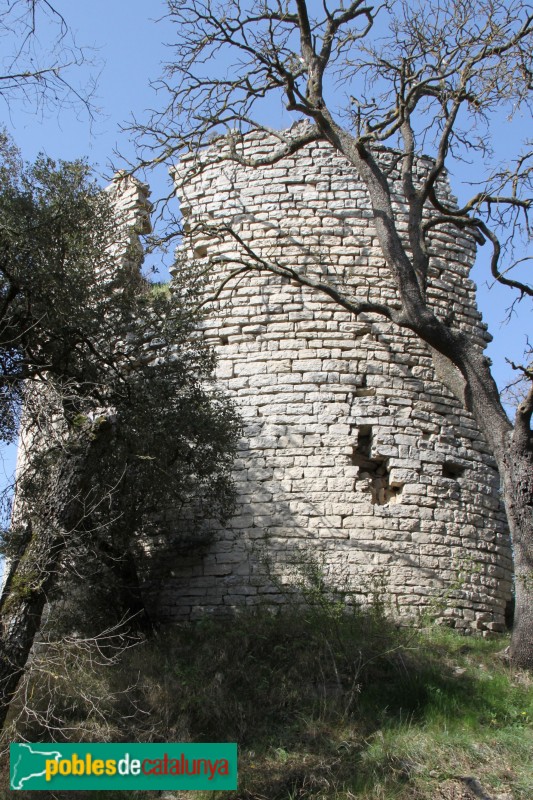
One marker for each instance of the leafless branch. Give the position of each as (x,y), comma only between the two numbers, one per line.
(40,59)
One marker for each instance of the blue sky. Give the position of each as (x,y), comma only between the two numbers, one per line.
(128,53)
(125,44)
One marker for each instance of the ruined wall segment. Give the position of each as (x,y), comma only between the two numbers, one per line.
(129,199)
(353,449)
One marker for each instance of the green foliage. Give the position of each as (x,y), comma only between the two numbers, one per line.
(55,228)
(160,289)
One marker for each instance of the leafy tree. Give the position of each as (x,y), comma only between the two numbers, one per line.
(415,77)
(120,418)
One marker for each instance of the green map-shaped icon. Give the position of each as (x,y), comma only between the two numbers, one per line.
(28,762)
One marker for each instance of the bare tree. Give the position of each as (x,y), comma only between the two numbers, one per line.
(39,58)
(408,75)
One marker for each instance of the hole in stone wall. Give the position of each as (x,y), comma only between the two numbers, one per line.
(509,613)
(200,251)
(363,390)
(361,452)
(373,470)
(452,470)
(224,340)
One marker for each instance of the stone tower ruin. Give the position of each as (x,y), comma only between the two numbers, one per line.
(353,449)
(354,455)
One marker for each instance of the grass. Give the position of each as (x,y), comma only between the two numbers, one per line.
(325,705)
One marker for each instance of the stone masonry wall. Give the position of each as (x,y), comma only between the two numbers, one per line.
(353,450)
(132,209)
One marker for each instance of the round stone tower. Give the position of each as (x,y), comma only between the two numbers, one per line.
(354,452)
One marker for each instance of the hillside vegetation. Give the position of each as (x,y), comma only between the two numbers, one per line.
(325,703)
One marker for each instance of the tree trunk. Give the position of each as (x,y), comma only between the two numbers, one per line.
(54,520)
(511,448)
(22,608)
(517,477)
(31,576)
